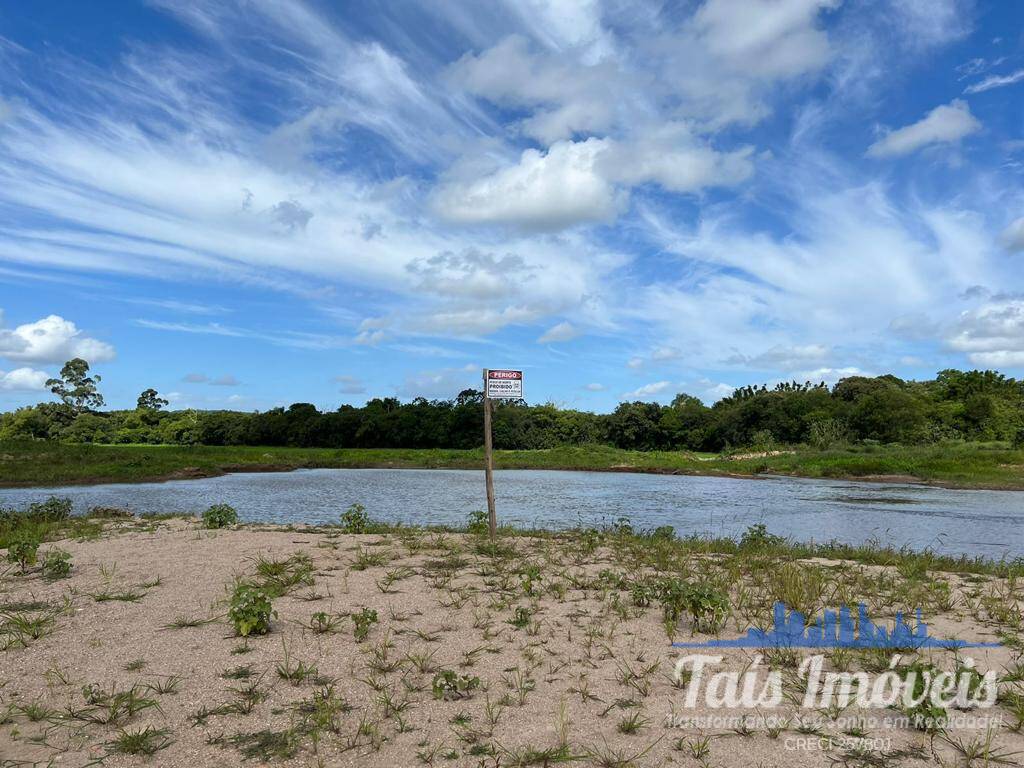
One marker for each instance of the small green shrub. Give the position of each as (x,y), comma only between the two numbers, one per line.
(663,533)
(57,564)
(220,516)
(362,621)
(23,550)
(478,523)
(447,685)
(757,537)
(355,520)
(250,611)
(54,509)
(520,617)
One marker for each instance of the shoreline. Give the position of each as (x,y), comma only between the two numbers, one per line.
(200,473)
(570,630)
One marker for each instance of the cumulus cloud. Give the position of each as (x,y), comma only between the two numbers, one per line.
(52,340)
(594,387)
(647,391)
(578,182)
(564,331)
(23,380)
(945,124)
(991,335)
(543,191)
(471,273)
(766,38)
(671,157)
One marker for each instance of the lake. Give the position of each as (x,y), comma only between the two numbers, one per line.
(989,523)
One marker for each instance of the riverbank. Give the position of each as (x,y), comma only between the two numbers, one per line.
(953,465)
(413,647)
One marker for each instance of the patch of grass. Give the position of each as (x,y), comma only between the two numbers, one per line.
(146,741)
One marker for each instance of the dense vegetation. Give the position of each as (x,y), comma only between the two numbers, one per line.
(955,464)
(972,405)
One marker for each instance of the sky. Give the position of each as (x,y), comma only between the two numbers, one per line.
(245,205)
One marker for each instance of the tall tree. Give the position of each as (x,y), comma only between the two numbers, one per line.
(75,387)
(150,400)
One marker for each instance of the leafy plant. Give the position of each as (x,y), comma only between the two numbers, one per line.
(363,621)
(220,516)
(57,564)
(478,523)
(355,520)
(520,617)
(23,550)
(250,611)
(54,509)
(757,537)
(447,685)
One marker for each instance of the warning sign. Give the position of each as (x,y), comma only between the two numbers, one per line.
(506,385)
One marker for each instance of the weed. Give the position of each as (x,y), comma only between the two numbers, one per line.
(362,622)
(250,611)
(57,564)
(448,685)
(146,741)
(220,516)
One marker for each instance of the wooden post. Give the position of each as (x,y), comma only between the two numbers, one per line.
(492,517)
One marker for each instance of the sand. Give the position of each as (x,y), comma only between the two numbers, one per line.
(571,679)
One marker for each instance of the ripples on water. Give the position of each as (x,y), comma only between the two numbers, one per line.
(953,521)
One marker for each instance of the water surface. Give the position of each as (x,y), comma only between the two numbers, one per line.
(989,523)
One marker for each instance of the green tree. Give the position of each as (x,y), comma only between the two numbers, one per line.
(76,388)
(150,400)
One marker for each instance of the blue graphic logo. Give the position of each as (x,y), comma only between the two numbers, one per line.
(837,630)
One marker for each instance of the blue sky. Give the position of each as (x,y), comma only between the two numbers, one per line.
(250,204)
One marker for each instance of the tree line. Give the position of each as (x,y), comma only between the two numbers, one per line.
(967,405)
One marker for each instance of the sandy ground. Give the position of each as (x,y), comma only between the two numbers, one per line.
(573,677)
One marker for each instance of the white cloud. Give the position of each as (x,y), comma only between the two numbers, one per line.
(828,375)
(564,331)
(594,387)
(674,159)
(991,335)
(587,181)
(996,81)
(766,38)
(783,357)
(945,124)
(52,340)
(647,391)
(227,380)
(23,380)
(541,192)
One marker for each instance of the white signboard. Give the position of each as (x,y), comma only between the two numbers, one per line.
(507,385)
